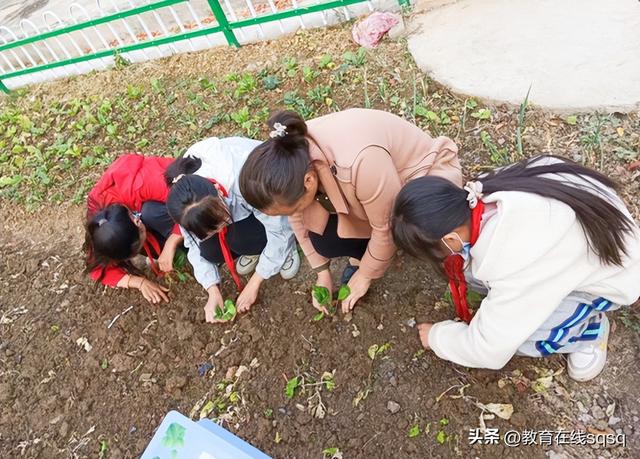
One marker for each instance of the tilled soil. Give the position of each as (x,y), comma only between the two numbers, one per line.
(59,400)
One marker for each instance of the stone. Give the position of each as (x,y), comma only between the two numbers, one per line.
(613,420)
(597,412)
(628,430)
(175,383)
(393,407)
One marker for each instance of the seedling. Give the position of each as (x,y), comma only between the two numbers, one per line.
(414,431)
(227,312)
(323,297)
(292,385)
(332,453)
(375,350)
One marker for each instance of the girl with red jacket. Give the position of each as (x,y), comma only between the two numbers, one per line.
(126,215)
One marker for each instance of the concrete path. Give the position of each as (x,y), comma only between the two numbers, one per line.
(576,54)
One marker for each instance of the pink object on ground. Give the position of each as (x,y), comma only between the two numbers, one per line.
(369,31)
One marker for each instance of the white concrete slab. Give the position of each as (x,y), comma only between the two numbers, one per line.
(576,54)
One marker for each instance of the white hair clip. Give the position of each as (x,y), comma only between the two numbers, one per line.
(102,221)
(475,193)
(175,180)
(279,130)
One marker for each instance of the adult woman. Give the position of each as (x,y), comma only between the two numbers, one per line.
(551,244)
(218,225)
(337,177)
(126,215)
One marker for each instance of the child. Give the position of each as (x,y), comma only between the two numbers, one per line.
(126,215)
(218,225)
(550,243)
(337,177)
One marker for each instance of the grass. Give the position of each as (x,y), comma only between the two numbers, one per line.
(55,141)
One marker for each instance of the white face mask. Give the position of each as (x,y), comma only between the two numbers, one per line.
(466,248)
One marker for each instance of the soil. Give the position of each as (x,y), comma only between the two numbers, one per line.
(58,399)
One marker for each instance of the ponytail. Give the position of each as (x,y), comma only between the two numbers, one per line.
(428,208)
(181,166)
(195,204)
(275,169)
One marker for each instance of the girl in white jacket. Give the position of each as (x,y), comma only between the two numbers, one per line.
(548,241)
(219,226)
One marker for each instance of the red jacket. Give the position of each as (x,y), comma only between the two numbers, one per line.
(131,180)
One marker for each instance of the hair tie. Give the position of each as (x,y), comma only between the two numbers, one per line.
(175,180)
(279,130)
(102,221)
(475,193)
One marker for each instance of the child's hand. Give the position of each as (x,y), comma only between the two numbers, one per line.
(359,286)
(423,332)
(152,292)
(215,300)
(249,294)
(324,280)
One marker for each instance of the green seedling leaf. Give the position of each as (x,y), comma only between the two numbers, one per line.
(103,449)
(268,412)
(104,364)
(290,388)
(332,453)
(174,437)
(55,328)
(207,409)
(482,114)
(327,379)
(322,295)
(414,431)
(444,422)
(572,120)
(344,292)
(375,350)
(229,310)
(441,437)
(318,317)
(372,351)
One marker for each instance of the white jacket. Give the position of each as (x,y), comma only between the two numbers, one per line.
(531,254)
(222,160)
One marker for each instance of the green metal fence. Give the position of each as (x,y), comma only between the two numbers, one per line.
(10,50)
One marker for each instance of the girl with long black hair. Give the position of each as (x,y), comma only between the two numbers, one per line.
(219,225)
(548,241)
(127,216)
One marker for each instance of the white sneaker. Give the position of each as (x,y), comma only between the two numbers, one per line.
(291,265)
(246,264)
(588,362)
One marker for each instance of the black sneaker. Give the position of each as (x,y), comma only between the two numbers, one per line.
(347,274)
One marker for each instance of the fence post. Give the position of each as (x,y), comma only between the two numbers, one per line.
(224,23)
(3,88)
(405,5)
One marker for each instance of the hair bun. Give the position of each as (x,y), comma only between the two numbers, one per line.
(287,127)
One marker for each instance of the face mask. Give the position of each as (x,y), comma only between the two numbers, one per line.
(466,248)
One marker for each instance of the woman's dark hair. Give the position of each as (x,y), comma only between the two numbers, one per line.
(183,165)
(428,208)
(111,238)
(194,203)
(274,171)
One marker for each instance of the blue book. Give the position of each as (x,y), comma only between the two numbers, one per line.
(178,437)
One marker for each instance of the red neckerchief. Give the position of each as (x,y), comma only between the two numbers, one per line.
(226,252)
(454,268)
(153,242)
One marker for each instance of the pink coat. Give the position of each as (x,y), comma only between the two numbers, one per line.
(363,157)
